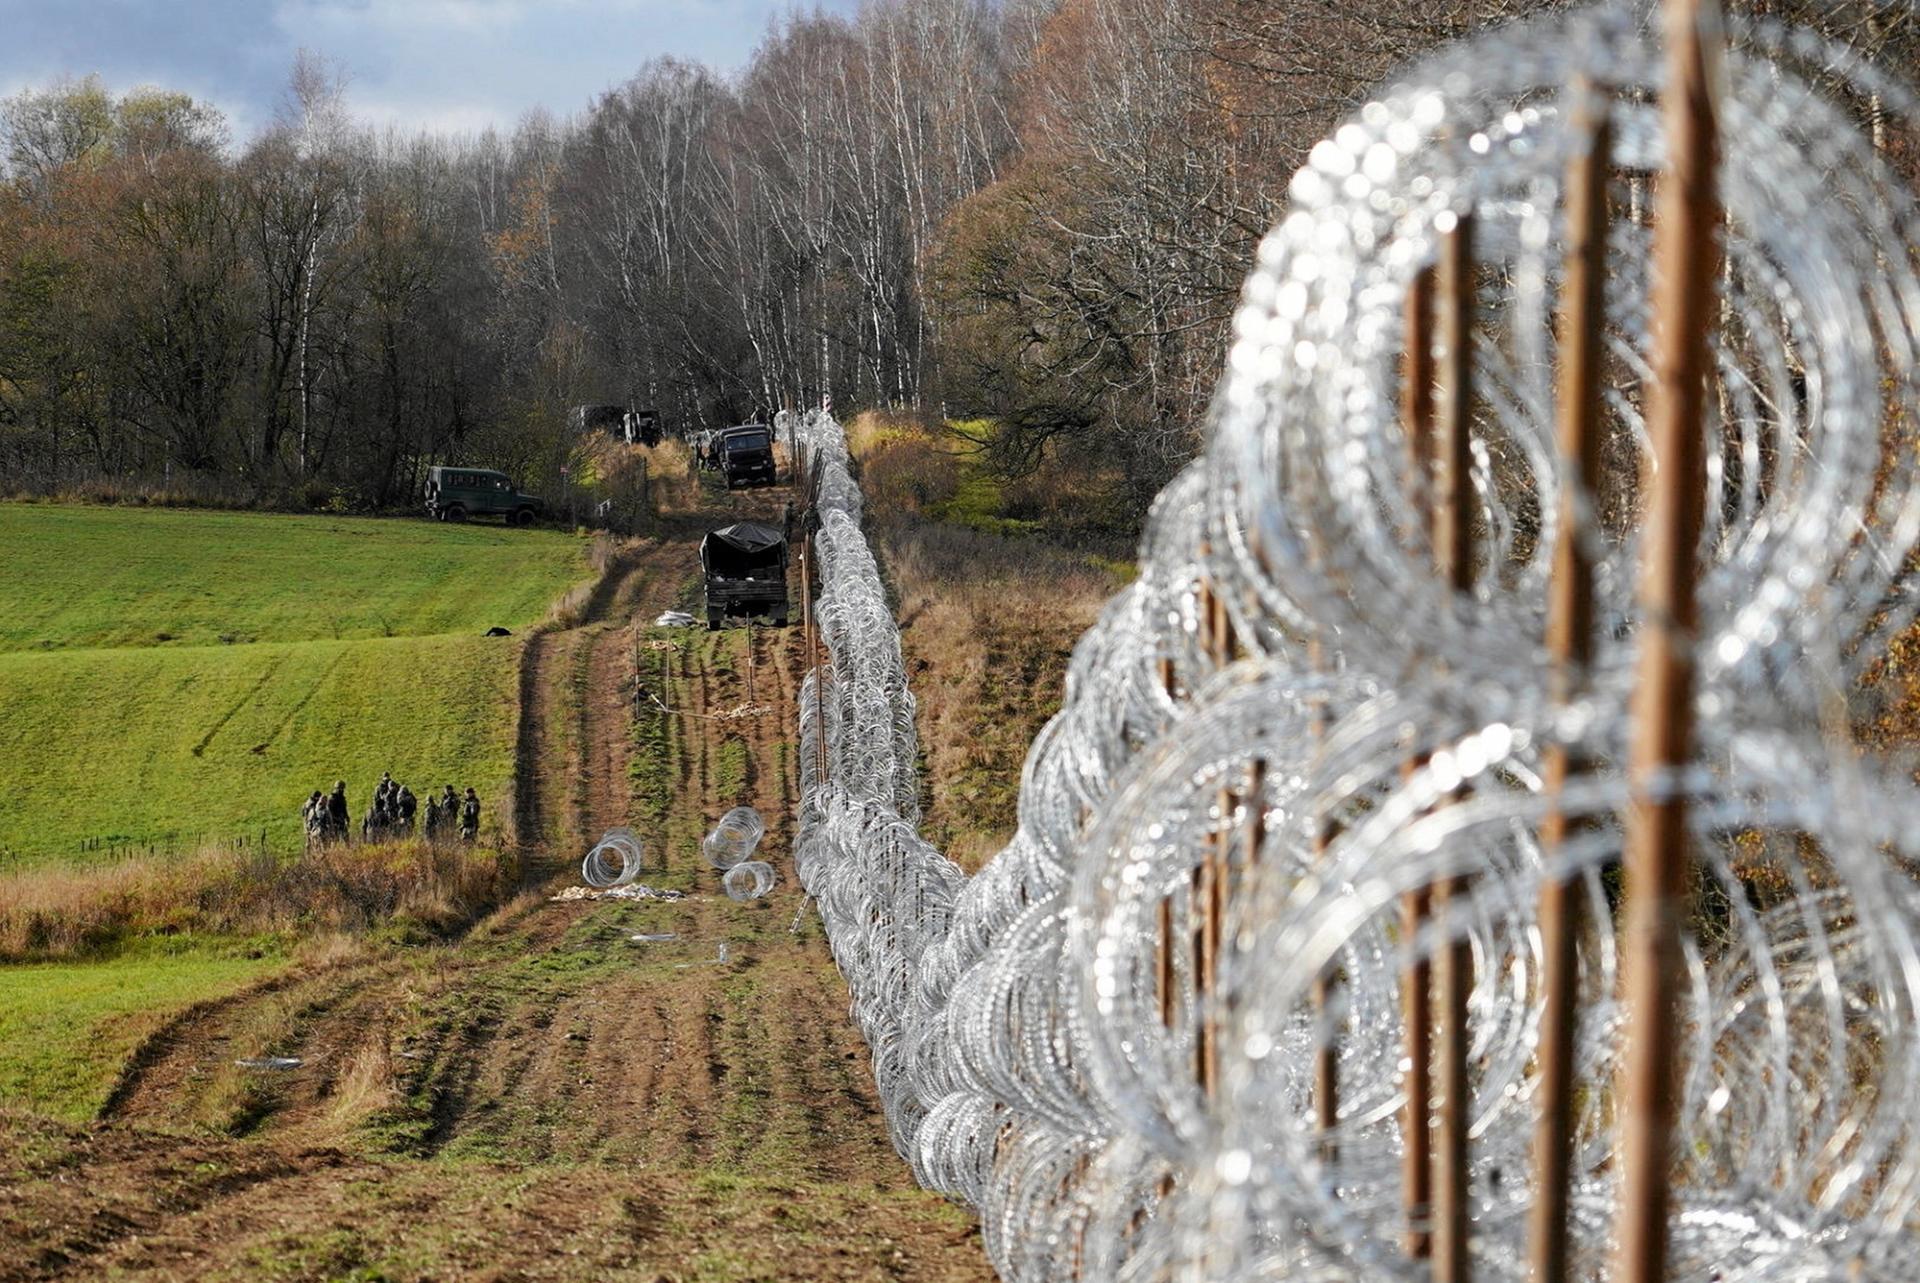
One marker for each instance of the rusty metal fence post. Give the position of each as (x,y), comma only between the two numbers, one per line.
(1453,554)
(1570,644)
(1657,863)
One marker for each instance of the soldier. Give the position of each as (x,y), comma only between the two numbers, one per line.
(470,816)
(338,815)
(431,824)
(404,806)
(449,807)
(313,818)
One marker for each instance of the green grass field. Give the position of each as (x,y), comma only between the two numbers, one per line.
(79,577)
(65,1028)
(172,676)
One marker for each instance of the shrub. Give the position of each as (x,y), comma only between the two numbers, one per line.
(67,912)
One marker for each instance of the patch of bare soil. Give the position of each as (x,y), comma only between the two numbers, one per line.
(544,1098)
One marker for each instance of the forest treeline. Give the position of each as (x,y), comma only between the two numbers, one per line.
(1037,212)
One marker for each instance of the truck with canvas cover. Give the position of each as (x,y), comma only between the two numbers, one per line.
(746,455)
(746,572)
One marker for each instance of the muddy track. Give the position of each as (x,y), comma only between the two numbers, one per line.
(573,741)
(542,1098)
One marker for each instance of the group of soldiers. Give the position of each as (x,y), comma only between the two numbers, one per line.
(392,814)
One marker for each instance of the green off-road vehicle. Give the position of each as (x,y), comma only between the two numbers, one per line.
(454,494)
(745,455)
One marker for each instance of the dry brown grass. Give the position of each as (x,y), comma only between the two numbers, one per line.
(988,624)
(570,609)
(675,488)
(69,912)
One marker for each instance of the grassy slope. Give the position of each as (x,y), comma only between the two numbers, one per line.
(133,709)
(990,610)
(367,657)
(170,746)
(69,1027)
(81,577)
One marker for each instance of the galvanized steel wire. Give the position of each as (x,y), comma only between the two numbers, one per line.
(1118,1104)
(614,860)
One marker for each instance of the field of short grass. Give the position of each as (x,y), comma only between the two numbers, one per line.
(78,577)
(170,678)
(178,747)
(65,1028)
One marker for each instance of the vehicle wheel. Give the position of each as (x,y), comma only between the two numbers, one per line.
(456,513)
(524,517)
(779,621)
(713,624)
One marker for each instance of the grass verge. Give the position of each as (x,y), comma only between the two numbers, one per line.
(67,1028)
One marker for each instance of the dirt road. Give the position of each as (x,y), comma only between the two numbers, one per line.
(545,1098)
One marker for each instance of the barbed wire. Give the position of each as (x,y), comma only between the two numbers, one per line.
(1163,1034)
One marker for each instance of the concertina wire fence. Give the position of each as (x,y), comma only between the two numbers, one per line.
(1298,774)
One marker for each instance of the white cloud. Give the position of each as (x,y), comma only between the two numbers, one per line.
(451,65)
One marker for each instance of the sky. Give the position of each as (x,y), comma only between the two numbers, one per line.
(442,65)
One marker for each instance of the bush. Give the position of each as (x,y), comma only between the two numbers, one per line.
(60,913)
(909,474)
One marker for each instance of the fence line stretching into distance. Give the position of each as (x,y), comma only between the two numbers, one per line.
(1532,543)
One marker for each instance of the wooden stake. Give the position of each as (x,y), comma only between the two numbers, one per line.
(1165,973)
(1326,1053)
(1453,551)
(1416,1171)
(1657,866)
(1210,883)
(1570,643)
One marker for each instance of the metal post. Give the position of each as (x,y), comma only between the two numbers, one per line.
(1211,877)
(1453,552)
(1164,971)
(1685,264)
(1570,643)
(1416,1166)
(1326,1059)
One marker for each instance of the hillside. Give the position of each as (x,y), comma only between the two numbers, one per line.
(168,678)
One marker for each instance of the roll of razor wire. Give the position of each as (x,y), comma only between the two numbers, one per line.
(748,881)
(1294,768)
(734,838)
(614,860)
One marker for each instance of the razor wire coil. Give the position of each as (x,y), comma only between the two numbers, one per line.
(1378,738)
(614,861)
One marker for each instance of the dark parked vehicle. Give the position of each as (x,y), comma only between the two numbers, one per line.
(746,569)
(745,455)
(635,426)
(454,494)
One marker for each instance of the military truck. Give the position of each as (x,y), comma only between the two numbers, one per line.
(454,494)
(745,455)
(746,570)
(636,425)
